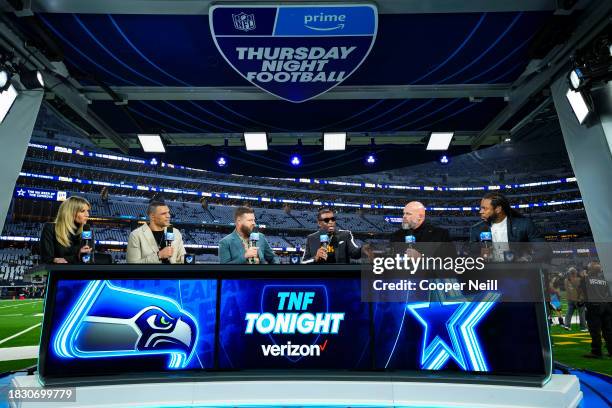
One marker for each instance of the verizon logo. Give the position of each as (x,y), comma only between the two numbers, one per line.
(293,350)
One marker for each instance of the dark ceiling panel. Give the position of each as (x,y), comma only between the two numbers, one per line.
(409,49)
(314,116)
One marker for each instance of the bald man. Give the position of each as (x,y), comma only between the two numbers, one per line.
(413,223)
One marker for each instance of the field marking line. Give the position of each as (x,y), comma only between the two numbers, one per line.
(21,304)
(20,333)
(18,353)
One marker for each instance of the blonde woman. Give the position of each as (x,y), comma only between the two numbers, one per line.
(60,241)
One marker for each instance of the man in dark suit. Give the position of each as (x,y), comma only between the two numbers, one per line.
(413,223)
(436,240)
(506,226)
(340,246)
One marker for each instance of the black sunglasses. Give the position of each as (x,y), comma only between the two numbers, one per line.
(328,220)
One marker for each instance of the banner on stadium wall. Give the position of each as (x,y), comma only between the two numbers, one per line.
(295,52)
(393,220)
(39,194)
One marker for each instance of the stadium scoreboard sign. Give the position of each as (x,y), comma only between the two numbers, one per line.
(295,52)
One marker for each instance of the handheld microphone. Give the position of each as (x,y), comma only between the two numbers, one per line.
(324,239)
(253,239)
(87,240)
(169,236)
(486,238)
(86,235)
(410,239)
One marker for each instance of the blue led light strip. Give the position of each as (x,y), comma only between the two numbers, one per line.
(68,150)
(315,203)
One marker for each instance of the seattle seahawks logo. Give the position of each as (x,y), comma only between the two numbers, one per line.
(109,321)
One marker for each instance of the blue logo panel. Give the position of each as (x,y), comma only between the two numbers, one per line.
(294,52)
(293,324)
(143,325)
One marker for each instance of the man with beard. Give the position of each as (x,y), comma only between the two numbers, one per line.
(505,225)
(329,244)
(243,246)
(437,239)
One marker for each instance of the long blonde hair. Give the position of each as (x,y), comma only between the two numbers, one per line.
(64,221)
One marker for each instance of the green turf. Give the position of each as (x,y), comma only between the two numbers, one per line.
(14,320)
(16,316)
(572,354)
(16,365)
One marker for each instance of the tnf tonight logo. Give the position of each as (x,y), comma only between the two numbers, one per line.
(300,315)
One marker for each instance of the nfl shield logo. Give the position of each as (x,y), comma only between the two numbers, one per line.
(297,51)
(244,22)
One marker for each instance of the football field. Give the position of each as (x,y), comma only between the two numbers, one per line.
(20,327)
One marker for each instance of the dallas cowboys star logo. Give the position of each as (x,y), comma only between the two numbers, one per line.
(21,193)
(449,332)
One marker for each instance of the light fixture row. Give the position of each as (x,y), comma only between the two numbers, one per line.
(258,141)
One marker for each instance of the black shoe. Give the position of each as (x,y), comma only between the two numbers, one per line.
(592,355)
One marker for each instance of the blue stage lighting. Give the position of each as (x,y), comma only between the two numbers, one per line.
(296,160)
(444,159)
(370,159)
(153,162)
(222,161)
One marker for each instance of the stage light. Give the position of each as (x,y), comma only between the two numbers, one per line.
(507,140)
(151,143)
(222,161)
(579,103)
(4,80)
(32,79)
(444,159)
(7,98)
(153,162)
(256,141)
(296,160)
(440,140)
(577,79)
(370,159)
(334,141)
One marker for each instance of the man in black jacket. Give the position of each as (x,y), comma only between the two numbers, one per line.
(505,226)
(598,310)
(329,244)
(414,225)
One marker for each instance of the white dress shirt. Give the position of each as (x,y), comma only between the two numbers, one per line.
(499,234)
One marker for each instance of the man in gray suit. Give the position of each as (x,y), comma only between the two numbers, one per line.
(243,245)
(329,244)
(156,242)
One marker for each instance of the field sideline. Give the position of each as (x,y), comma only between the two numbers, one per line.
(20,327)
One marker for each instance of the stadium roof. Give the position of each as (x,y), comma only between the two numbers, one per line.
(479,68)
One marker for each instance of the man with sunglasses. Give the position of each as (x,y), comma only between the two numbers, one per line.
(330,244)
